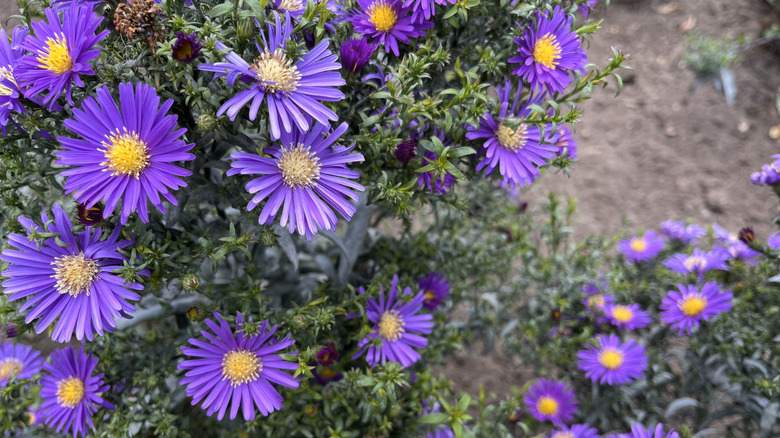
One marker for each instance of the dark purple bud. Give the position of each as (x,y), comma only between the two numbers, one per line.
(746,235)
(327,355)
(186,48)
(406,151)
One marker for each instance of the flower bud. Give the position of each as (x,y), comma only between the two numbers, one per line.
(190,282)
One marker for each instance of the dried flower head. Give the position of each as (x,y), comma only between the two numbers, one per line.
(139,17)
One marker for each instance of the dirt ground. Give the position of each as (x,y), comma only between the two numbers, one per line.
(659,151)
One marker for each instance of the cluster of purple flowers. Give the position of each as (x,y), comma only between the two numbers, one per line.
(769,174)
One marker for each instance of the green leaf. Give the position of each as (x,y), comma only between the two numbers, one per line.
(220,10)
(439,418)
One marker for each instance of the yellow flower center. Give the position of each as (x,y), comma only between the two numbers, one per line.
(622,313)
(70,392)
(512,139)
(391,325)
(382,16)
(184,51)
(547,51)
(429,296)
(611,358)
(275,72)
(547,406)
(55,56)
(694,262)
(638,245)
(693,305)
(299,167)
(563,435)
(291,5)
(126,154)
(7,73)
(74,274)
(241,366)
(10,366)
(30,418)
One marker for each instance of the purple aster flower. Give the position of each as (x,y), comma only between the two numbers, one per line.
(586,7)
(186,48)
(18,361)
(295,8)
(595,300)
(10,94)
(684,309)
(768,176)
(516,150)
(431,181)
(551,400)
(355,53)
(630,317)
(397,328)
(739,251)
(549,52)
(723,237)
(698,262)
(73,283)
(387,22)
(423,10)
(292,90)
(35,416)
(564,140)
(575,431)
(70,391)
(611,362)
(641,249)
(436,289)
(60,52)
(774,241)
(126,153)
(239,367)
(639,431)
(328,354)
(305,177)
(405,151)
(326,375)
(685,234)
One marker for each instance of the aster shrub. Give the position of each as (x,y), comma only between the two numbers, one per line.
(276,218)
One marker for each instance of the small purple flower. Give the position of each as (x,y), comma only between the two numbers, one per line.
(686,308)
(305,176)
(387,22)
(516,150)
(18,361)
(640,249)
(639,431)
(355,54)
(774,241)
(595,300)
(630,317)
(586,7)
(436,289)
(10,93)
(186,48)
(405,151)
(423,10)
(611,362)
(397,328)
(70,391)
(768,176)
(551,400)
(292,90)
(327,355)
(563,139)
(60,51)
(549,52)
(739,251)
(238,367)
(685,234)
(73,285)
(723,236)
(575,431)
(432,182)
(126,154)
(698,262)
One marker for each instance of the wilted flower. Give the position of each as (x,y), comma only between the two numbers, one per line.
(549,52)
(18,361)
(125,153)
(186,48)
(397,328)
(641,249)
(686,308)
(306,177)
(133,17)
(72,284)
(611,362)
(551,400)
(236,369)
(355,53)
(387,22)
(60,52)
(70,391)
(292,90)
